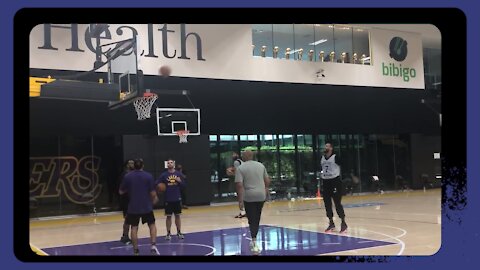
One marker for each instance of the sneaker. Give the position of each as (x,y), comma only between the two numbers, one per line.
(125,240)
(331,227)
(180,235)
(184,207)
(136,252)
(154,250)
(168,237)
(343,227)
(254,248)
(240,215)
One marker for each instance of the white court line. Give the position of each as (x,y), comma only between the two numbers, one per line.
(404,232)
(186,244)
(331,243)
(390,237)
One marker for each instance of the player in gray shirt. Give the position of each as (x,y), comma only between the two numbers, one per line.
(252,181)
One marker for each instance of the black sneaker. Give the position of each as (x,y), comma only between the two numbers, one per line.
(240,215)
(125,240)
(343,227)
(331,227)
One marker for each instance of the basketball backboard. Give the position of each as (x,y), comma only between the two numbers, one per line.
(123,84)
(124,70)
(170,120)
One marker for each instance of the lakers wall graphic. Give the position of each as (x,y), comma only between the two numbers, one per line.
(69,177)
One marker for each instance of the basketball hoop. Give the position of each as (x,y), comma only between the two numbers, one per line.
(183,134)
(143,105)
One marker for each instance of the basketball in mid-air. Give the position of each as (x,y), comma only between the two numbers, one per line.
(165,71)
(162,187)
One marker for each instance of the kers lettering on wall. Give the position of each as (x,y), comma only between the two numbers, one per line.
(126,32)
(75,179)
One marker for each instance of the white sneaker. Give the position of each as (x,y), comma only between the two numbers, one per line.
(254,248)
(154,250)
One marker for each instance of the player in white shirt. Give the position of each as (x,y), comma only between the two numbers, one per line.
(332,187)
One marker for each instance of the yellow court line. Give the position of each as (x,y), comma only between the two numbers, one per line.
(38,250)
(208,209)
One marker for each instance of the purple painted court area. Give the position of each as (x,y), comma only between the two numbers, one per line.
(235,241)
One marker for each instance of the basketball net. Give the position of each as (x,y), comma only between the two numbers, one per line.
(143,105)
(183,134)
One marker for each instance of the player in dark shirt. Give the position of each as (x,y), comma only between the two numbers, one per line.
(140,187)
(124,203)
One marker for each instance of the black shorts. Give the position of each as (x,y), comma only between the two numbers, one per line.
(173,208)
(133,219)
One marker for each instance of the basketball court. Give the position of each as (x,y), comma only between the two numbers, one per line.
(393,223)
(403,223)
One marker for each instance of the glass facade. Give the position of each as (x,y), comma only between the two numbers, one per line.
(74,175)
(311,42)
(223,148)
(432,63)
(293,161)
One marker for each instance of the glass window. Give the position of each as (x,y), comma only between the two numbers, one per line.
(368,162)
(402,168)
(214,166)
(304,42)
(323,41)
(308,180)
(386,161)
(249,142)
(227,138)
(70,162)
(283,38)
(361,47)
(287,180)
(262,35)
(228,144)
(349,152)
(343,43)
(268,155)
(432,62)
(104,169)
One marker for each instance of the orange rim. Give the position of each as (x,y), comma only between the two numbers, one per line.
(182,132)
(147,94)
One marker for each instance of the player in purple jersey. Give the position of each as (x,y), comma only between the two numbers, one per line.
(173,180)
(124,203)
(140,187)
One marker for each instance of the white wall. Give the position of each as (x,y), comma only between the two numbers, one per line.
(228,55)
